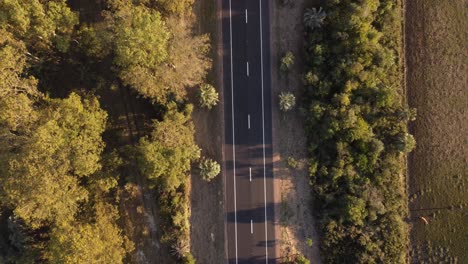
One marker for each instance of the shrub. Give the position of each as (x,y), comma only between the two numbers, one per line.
(287,101)
(292,163)
(309,242)
(287,61)
(300,259)
(207,96)
(209,169)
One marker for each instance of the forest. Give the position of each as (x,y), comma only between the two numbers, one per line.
(64,160)
(356,125)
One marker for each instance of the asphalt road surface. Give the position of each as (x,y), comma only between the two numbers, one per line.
(249,199)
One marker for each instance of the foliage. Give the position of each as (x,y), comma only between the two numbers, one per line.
(292,163)
(357,132)
(41,179)
(39,24)
(163,57)
(98,242)
(165,156)
(207,96)
(209,169)
(179,7)
(309,242)
(314,18)
(287,61)
(300,259)
(287,101)
(57,182)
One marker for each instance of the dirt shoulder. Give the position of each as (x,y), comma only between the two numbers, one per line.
(436,85)
(207,219)
(297,225)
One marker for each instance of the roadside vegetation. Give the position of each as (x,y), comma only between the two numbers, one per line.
(357,130)
(64,163)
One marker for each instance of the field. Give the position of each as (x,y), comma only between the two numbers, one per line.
(436,85)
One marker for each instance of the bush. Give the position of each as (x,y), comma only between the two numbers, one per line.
(292,163)
(188,259)
(309,242)
(300,259)
(209,169)
(287,61)
(207,96)
(287,101)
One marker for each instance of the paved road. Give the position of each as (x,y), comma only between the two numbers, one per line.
(250,231)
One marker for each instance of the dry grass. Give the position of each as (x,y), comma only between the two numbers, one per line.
(436,85)
(297,225)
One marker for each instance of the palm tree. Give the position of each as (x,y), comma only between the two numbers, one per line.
(314,18)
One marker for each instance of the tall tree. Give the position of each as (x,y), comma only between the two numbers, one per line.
(41,173)
(41,24)
(98,241)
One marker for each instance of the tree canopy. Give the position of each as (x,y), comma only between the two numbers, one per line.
(166,154)
(42,175)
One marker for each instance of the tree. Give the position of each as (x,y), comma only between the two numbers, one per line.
(314,18)
(179,7)
(164,157)
(39,23)
(156,58)
(41,178)
(207,96)
(287,61)
(98,241)
(209,169)
(287,101)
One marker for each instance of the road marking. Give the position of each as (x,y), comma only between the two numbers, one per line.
(247,68)
(248,120)
(233,134)
(246,17)
(250,173)
(251,226)
(263,132)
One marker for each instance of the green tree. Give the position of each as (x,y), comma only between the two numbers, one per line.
(165,156)
(39,23)
(287,101)
(209,169)
(41,177)
(98,241)
(156,58)
(207,96)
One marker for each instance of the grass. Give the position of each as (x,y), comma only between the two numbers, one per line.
(436,86)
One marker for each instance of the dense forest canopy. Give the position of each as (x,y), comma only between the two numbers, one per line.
(60,180)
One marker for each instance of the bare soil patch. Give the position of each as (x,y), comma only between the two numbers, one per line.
(297,225)
(436,85)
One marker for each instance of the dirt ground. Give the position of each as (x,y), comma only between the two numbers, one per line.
(297,225)
(437,77)
(207,219)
